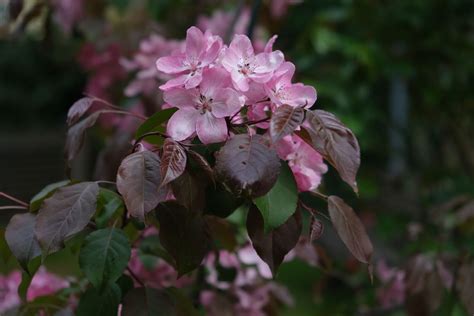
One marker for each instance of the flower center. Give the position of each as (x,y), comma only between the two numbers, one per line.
(205,104)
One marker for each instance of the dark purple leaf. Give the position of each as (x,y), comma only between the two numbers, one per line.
(285,120)
(316,228)
(138,181)
(190,188)
(202,163)
(20,237)
(350,229)
(75,135)
(173,161)
(246,164)
(78,109)
(273,246)
(336,143)
(183,234)
(465,285)
(64,214)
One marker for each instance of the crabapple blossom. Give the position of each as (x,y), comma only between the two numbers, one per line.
(305,162)
(244,66)
(200,51)
(203,110)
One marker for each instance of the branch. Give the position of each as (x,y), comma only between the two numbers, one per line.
(252,122)
(13,207)
(135,277)
(11,198)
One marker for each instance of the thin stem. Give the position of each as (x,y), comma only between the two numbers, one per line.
(11,198)
(319,195)
(141,117)
(135,277)
(13,207)
(105,182)
(110,105)
(252,122)
(139,139)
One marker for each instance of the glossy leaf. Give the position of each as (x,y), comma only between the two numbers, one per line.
(173,161)
(46,192)
(154,123)
(350,229)
(138,181)
(104,256)
(285,120)
(78,109)
(100,303)
(247,165)
(273,246)
(75,135)
(183,234)
(20,237)
(280,202)
(336,143)
(64,214)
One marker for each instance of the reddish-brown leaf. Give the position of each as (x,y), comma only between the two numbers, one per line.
(285,120)
(173,161)
(465,285)
(138,181)
(335,142)
(350,229)
(273,246)
(246,164)
(76,134)
(78,109)
(316,229)
(202,163)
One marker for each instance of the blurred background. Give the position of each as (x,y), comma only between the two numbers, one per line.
(400,74)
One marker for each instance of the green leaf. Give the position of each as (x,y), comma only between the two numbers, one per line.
(153,124)
(280,202)
(108,204)
(104,256)
(27,277)
(100,303)
(46,192)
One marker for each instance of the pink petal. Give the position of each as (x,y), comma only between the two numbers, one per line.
(171,64)
(214,79)
(226,103)
(230,59)
(195,43)
(242,46)
(269,46)
(211,54)
(173,83)
(193,79)
(300,95)
(268,62)
(211,129)
(239,80)
(182,124)
(181,98)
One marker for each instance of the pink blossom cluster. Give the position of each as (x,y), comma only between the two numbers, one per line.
(212,83)
(392,291)
(43,283)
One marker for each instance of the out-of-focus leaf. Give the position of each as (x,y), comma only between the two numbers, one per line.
(100,303)
(465,285)
(280,202)
(173,161)
(109,204)
(222,232)
(349,227)
(336,143)
(75,135)
(273,246)
(247,165)
(46,192)
(104,256)
(20,236)
(154,123)
(64,214)
(138,181)
(316,229)
(78,109)
(285,120)
(147,302)
(183,234)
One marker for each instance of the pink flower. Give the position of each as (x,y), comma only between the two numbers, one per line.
(279,8)
(45,283)
(203,109)
(282,91)
(9,291)
(67,13)
(244,66)
(305,162)
(220,21)
(392,291)
(200,51)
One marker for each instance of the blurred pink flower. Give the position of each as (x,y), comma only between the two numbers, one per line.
(9,291)
(279,8)
(392,291)
(305,162)
(240,61)
(200,51)
(67,13)
(203,110)
(220,21)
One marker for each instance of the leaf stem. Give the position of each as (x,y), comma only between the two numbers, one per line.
(141,117)
(107,103)
(13,207)
(139,139)
(135,277)
(319,195)
(252,122)
(11,198)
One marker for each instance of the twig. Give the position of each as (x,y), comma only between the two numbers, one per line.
(141,117)
(135,277)
(252,122)
(11,198)
(139,139)
(13,207)
(319,195)
(103,101)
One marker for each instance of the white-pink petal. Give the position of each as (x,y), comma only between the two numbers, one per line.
(211,129)
(182,124)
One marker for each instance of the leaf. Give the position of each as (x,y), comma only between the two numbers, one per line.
(183,234)
(100,303)
(350,229)
(223,233)
(336,143)
(104,256)
(20,237)
(78,109)
(220,201)
(148,302)
(246,164)
(173,161)
(285,120)
(109,204)
(273,246)
(46,192)
(138,181)
(316,229)
(465,285)
(75,136)
(280,202)
(154,123)
(190,189)
(64,214)
(202,163)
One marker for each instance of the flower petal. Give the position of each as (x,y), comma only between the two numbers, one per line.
(226,102)
(182,124)
(171,64)
(299,95)
(173,83)
(214,79)
(181,98)
(195,43)
(211,129)
(242,46)
(193,79)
